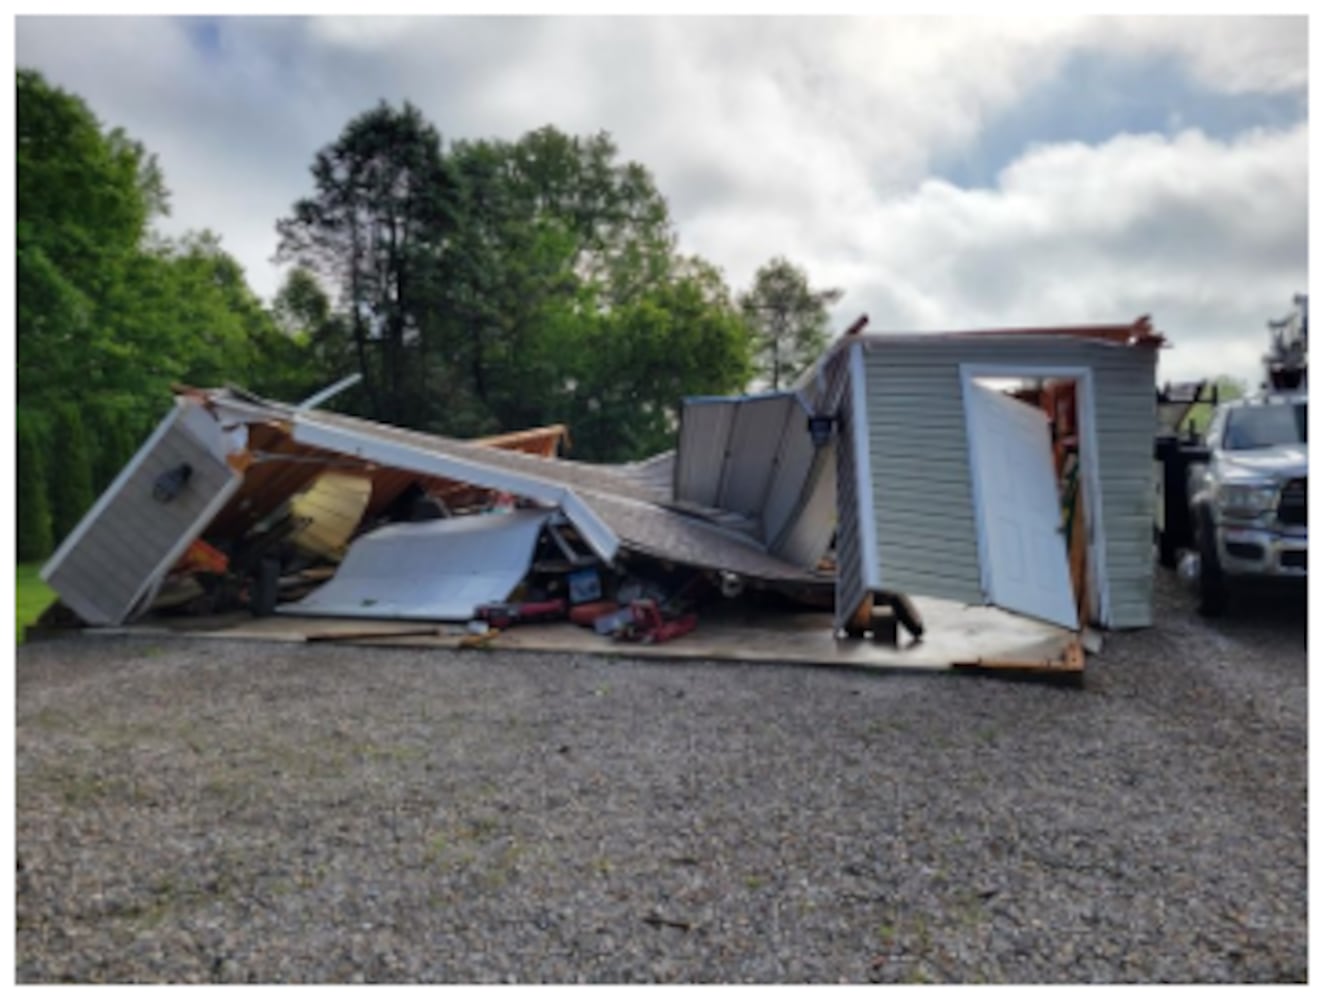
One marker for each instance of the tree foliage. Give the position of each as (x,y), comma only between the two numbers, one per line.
(374,229)
(68,469)
(480,286)
(523,281)
(110,314)
(34,511)
(788,318)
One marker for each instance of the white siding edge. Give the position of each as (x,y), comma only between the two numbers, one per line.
(966,386)
(866,526)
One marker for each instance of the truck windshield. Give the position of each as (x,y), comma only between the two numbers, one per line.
(1267,426)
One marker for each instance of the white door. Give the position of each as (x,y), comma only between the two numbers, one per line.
(1025,567)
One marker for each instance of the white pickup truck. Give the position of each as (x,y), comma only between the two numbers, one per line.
(1248,503)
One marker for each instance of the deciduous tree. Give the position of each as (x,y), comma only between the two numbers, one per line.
(789,320)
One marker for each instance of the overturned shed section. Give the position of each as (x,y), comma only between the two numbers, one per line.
(942,481)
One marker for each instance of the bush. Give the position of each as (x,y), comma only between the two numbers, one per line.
(34,512)
(68,470)
(113,443)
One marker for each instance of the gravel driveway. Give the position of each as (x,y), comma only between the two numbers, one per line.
(213,811)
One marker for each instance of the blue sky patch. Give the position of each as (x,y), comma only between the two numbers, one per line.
(1096,96)
(205,34)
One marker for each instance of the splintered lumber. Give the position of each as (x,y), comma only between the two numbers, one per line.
(400,633)
(860,622)
(1071,661)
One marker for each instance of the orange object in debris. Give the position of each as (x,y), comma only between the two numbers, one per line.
(585,614)
(202,558)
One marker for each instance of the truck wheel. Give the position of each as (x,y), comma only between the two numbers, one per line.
(1212,587)
(1167,551)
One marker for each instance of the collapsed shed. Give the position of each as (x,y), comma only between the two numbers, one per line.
(1009,468)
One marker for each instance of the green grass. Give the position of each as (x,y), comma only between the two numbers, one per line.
(31,596)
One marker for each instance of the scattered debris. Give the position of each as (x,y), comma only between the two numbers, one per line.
(502,614)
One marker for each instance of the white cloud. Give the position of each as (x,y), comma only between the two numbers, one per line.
(810,137)
(1208,237)
(1230,54)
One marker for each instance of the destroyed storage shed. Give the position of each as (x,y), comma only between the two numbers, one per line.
(970,463)
(1010,468)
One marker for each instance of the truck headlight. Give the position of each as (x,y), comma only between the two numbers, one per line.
(1247,499)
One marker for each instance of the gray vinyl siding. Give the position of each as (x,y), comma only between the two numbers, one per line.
(926,533)
(116,548)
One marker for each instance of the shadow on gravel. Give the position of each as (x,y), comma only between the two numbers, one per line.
(1260,611)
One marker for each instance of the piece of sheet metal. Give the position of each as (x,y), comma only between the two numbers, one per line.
(429,570)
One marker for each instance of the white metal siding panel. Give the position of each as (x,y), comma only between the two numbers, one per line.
(805,537)
(702,442)
(850,586)
(922,475)
(749,463)
(120,544)
(791,473)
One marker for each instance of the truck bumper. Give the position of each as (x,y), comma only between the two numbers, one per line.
(1251,551)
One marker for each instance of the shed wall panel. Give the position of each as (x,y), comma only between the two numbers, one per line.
(792,470)
(919,461)
(115,550)
(757,431)
(702,442)
(806,535)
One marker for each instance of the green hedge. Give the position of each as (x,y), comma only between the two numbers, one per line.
(34,510)
(68,469)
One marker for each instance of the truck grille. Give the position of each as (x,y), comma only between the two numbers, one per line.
(1294,507)
(1295,560)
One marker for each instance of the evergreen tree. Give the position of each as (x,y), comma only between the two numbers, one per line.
(34,513)
(68,470)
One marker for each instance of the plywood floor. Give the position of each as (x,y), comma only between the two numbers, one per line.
(955,633)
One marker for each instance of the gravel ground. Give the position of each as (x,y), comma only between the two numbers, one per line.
(212,811)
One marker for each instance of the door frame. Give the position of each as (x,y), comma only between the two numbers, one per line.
(1089,457)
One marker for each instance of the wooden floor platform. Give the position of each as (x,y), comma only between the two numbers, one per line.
(956,635)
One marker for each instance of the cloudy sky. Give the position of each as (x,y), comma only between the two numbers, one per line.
(946,174)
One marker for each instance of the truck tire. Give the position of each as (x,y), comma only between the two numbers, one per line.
(1213,591)
(1167,550)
